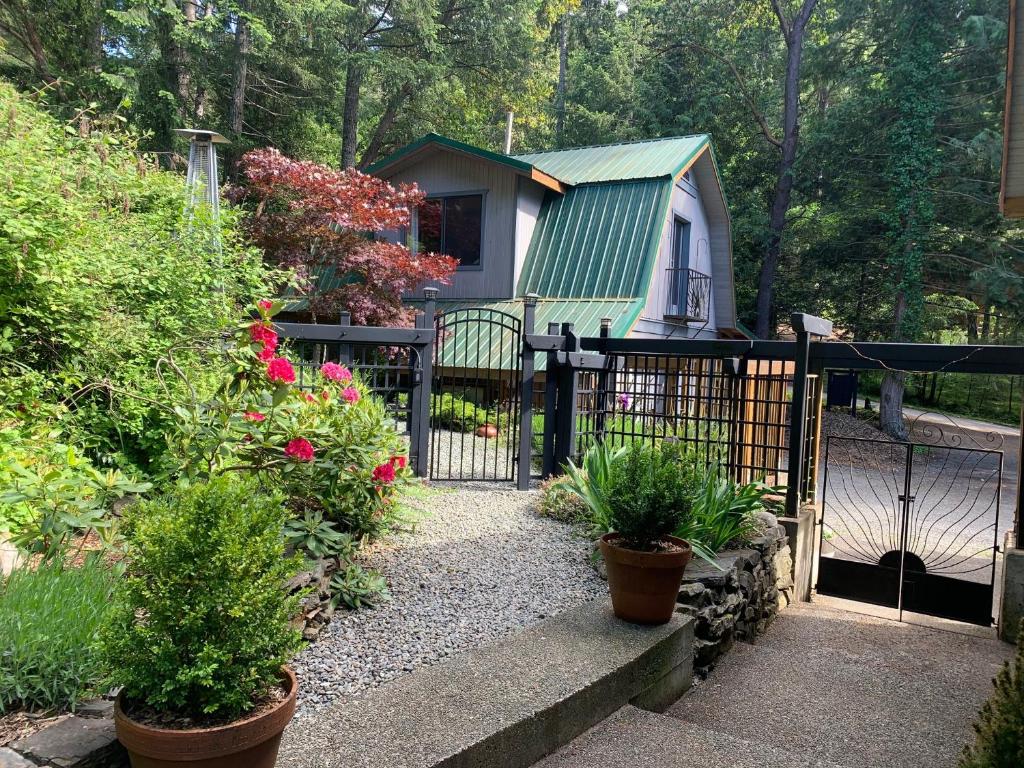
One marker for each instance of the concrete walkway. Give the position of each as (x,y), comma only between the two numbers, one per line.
(823,687)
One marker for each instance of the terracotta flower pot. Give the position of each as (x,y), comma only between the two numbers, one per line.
(248,743)
(487,430)
(644,585)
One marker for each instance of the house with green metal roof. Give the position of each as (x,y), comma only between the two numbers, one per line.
(636,232)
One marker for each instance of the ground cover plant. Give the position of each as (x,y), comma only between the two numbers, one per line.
(999,729)
(50,618)
(201,624)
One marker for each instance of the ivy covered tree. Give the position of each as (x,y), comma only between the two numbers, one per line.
(319,221)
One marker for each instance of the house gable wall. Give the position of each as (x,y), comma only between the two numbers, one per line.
(445,172)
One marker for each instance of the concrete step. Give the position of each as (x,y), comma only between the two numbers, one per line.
(506,705)
(837,686)
(632,738)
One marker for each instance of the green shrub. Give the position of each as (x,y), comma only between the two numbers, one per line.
(560,502)
(201,623)
(649,495)
(452,412)
(49,621)
(724,512)
(999,729)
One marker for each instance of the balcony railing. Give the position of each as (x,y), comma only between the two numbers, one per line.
(689,295)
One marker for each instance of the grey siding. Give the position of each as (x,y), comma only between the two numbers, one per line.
(448,172)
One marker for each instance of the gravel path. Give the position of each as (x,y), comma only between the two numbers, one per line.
(480,564)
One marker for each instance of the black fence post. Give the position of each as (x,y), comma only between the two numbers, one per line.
(526,396)
(565,440)
(805,326)
(420,396)
(345,350)
(601,396)
(550,408)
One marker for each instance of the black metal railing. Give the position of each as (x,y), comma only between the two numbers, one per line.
(689,295)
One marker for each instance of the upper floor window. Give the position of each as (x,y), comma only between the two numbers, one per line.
(452,225)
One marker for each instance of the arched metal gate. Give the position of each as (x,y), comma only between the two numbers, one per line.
(475,393)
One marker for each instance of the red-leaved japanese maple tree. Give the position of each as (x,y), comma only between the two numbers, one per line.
(315,220)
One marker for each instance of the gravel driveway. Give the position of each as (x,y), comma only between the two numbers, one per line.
(479,564)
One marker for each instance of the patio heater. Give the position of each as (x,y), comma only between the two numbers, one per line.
(202,179)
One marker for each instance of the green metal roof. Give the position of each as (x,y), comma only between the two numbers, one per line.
(444,141)
(462,347)
(596,241)
(649,159)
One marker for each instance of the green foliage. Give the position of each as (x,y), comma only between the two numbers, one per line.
(650,494)
(49,621)
(319,537)
(201,624)
(999,729)
(452,412)
(561,503)
(356,587)
(52,495)
(100,276)
(590,483)
(723,511)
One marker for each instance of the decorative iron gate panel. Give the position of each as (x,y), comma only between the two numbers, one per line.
(475,393)
(911,526)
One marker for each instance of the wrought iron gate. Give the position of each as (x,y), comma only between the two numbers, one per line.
(912,526)
(475,393)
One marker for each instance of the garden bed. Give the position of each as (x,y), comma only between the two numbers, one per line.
(478,565)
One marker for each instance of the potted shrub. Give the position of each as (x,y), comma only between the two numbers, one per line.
(648,495)
(201,629)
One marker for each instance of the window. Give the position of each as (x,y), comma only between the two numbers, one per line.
(451,225)
(679,271)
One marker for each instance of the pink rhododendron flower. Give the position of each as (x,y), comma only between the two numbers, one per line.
(280,371)
(397,461)
(267,353)
(299,449)
(253,416)
(350,395)
(265,304)
(383,473)
(335,372)
(261,332)
(308,397)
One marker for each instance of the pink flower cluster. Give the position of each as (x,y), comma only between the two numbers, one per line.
(299,449)
(263,333)
(280,371)
(383,474)
(350,395)
(335,372)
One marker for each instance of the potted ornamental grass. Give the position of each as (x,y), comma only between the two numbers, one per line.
(648,495)
(201,628)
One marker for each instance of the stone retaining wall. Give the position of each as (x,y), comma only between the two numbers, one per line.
(740,598)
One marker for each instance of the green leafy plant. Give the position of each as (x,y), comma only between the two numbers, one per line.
(452,412)
(357,587)
(317,536)
(50,618)
(201,623)
(590,482)
(723,511)
(558,502)
(57,495)
(999,729)
(649,494)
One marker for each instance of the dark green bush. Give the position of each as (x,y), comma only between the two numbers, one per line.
(999,730)
(201,623)
(650,493)
(457,414)
(49,621)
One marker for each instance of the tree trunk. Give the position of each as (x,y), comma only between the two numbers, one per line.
(793,33)
(890,401)
(236,109)
(350,115)
(385,124)
(29,37)
(563,65)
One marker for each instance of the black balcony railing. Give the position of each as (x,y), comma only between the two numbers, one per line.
(689,295)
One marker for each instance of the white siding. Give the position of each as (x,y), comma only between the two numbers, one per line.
(686,204)
(448,172)
(531,195)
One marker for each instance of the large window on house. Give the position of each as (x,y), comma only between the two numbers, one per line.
(452,225)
